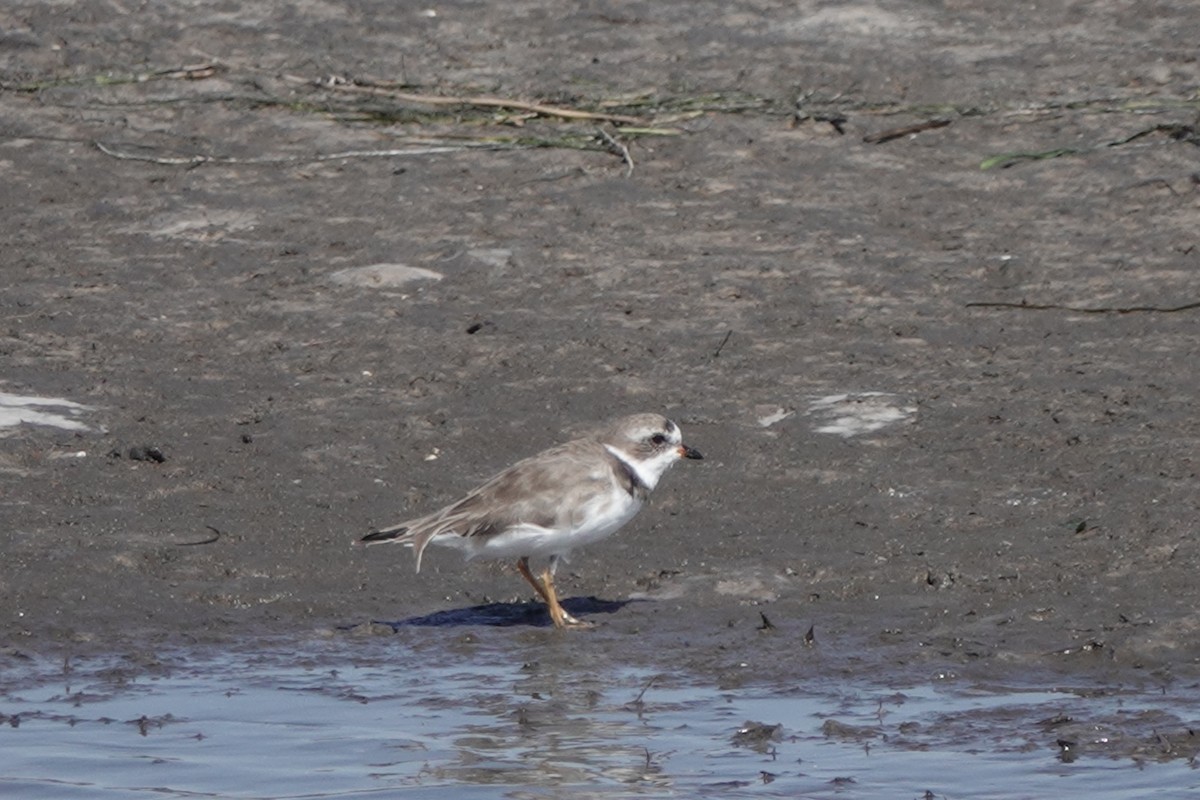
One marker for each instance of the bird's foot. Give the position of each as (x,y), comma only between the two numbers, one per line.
(576,624)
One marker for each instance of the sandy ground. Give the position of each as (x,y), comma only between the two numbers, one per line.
(949,412)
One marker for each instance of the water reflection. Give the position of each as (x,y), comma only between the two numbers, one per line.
(315,725)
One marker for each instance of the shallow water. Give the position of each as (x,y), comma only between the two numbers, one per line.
(284,725)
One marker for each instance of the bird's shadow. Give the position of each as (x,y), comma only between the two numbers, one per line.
(504,615)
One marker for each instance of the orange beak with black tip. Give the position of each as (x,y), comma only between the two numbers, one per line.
(690,452)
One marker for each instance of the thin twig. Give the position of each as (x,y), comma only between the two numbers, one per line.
(485,101)
(616,148)
(907,130)
(1087,309)
(1177,132)
(216,535)
(721,346)
(173,161)
(637,701)
(191,72)
(196,160)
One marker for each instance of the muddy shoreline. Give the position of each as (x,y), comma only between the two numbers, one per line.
(948,412)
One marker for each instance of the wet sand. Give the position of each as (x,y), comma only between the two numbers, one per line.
(949,413)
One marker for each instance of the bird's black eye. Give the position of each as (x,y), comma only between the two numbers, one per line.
(658,439)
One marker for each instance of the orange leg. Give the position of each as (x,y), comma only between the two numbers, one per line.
(523,568)
(545,589)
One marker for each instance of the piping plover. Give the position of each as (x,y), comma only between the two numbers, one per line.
(551,503)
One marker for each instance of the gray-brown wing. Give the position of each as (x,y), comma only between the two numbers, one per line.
(544,490)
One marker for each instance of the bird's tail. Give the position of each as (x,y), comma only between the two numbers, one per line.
(416,538)
(388,535)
